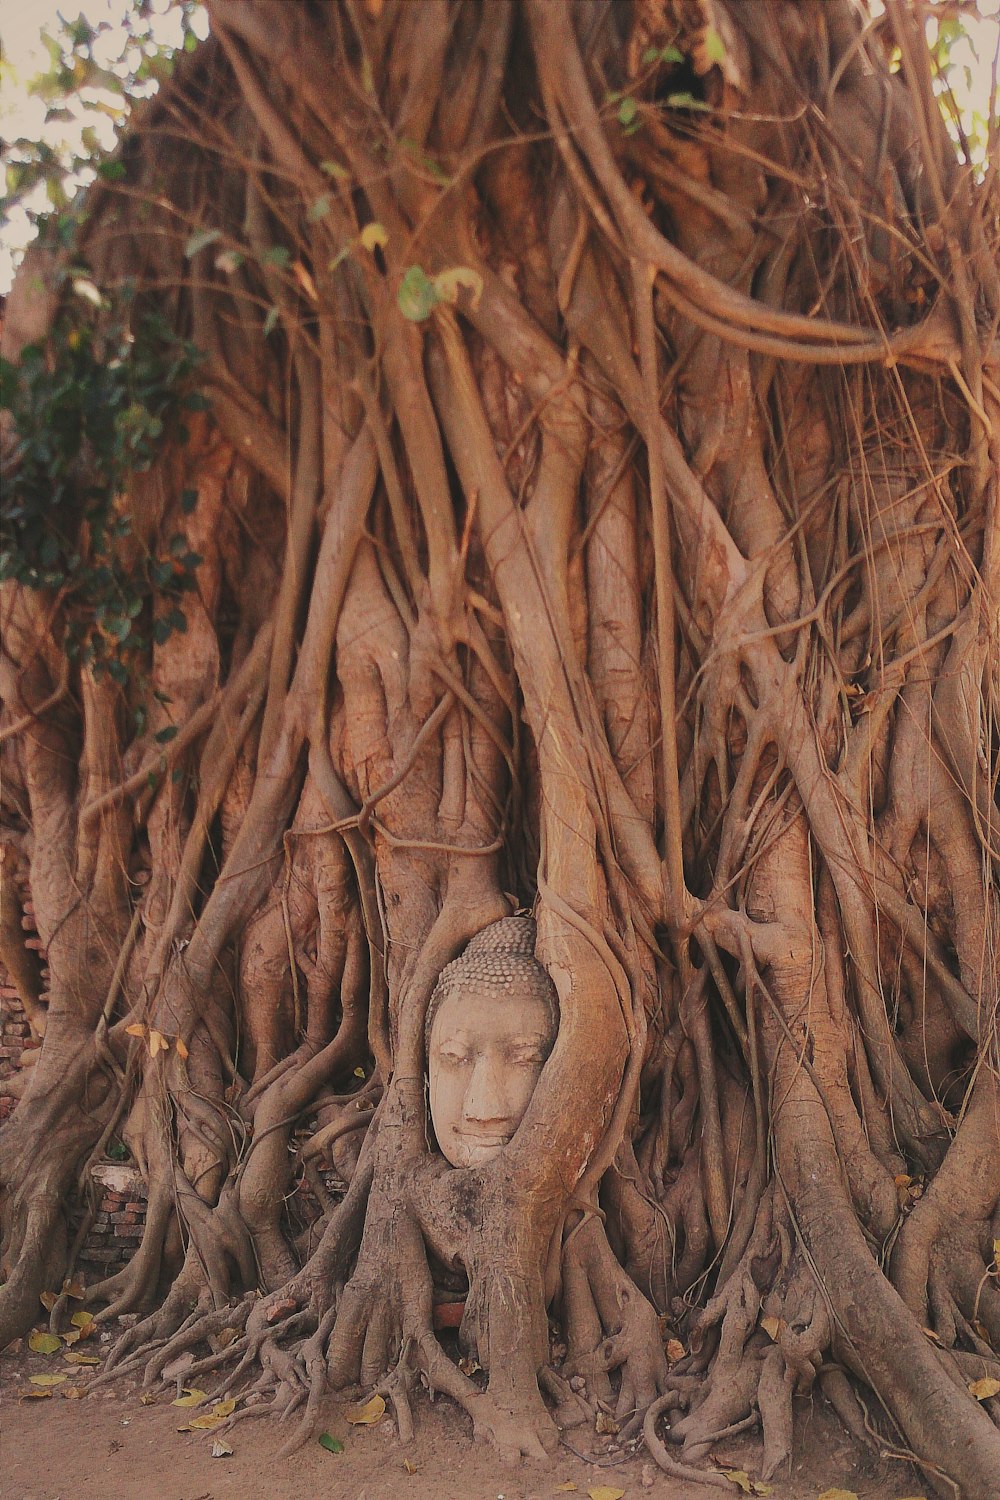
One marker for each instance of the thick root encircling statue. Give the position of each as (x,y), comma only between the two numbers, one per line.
(545,799)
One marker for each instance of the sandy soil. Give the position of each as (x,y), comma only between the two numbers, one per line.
(107,1446)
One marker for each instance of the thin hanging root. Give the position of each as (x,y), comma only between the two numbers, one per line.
(672,1466)
(837,1389)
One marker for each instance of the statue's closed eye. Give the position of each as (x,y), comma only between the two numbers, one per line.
(527,1053)
(455,1056)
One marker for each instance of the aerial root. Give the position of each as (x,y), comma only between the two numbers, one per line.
(662,1458)
(398,1388)
(203,1329)
(312,1363)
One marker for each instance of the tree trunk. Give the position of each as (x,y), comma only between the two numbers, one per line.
(596,514)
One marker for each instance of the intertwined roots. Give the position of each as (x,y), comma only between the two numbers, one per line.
(597,513)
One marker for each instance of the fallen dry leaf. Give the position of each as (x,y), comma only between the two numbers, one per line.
(740,1478)
(409,1466)
(367,1413)
(82,1320)
(48,1300)
(985,1388)
(147,1399)
(605,1424)
(838,1495)
(157,1042)
(204,1423)
(605,1492)
(80,1359)
(224,1408)
(191,1397)
(47,1380)
(74,1392)
(184,1054)
(43,1343)
(221,1449)
(136,1029)
(675,1350)
(565,1489)
(773,1327)
(35,1395)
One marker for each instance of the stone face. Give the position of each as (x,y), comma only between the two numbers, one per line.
(491,1024)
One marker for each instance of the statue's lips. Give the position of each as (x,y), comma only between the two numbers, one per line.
(484,1138)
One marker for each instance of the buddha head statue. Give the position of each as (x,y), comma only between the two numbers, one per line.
(491,1024)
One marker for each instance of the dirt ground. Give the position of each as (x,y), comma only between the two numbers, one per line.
(107,1446)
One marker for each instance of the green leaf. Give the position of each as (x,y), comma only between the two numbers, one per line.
(331,1444)
(165,735)
(335,170)
(200,240)
(319,209)
(111,171)
(715,47)
(628,110)
(277,255)
(271,321)
(417,296)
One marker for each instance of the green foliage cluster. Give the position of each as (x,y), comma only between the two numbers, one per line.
(86,412)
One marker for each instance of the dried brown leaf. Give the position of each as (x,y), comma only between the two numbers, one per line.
(367,1413)
(191,1397)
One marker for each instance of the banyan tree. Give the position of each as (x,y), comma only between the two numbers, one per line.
(480,457)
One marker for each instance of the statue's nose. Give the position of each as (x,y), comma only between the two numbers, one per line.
(485,1099)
